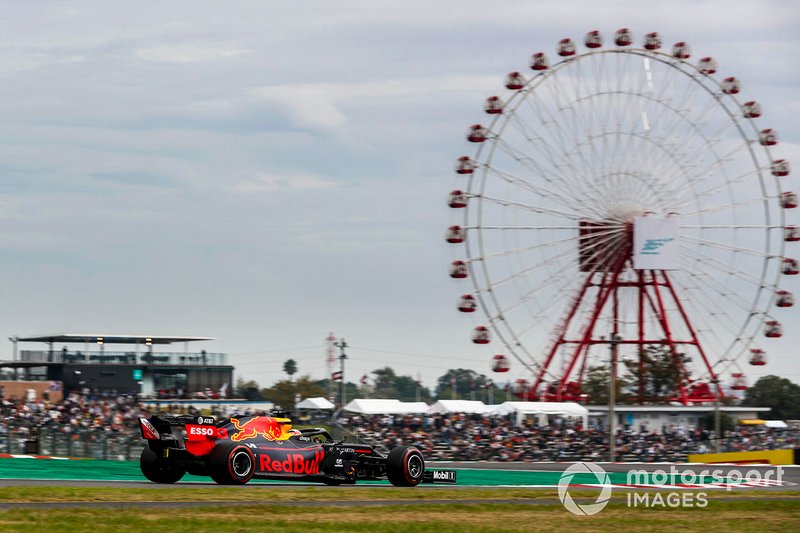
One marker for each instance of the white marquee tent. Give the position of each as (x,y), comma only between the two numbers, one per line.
(543,409)
(315,403)
(385,407)
(459,406)
(520,409)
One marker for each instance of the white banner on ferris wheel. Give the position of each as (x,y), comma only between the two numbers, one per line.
(655,243)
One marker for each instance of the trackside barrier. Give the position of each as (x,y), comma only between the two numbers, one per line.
(767,457)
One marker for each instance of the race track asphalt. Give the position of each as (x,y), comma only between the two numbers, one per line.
(30,471)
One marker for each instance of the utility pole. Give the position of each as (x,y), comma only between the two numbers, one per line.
(342,385)
(612,398)
(717,424)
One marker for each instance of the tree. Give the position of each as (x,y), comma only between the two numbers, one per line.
(776,392)
(726,422)
(467,384)
(661,375)
(596,385)
(290,367)
(351,389)
(283,392)
(411,390)
(385,383)
(403,388)
(247,390)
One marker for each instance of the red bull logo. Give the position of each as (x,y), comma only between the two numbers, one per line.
(294,463)
(266,426)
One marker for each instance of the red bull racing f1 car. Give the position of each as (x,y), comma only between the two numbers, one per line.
(234,450)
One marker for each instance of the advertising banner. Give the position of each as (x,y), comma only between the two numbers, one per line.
(655,243)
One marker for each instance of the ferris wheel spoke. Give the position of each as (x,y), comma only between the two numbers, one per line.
(529,186)
(528,162)
(557,94)
(729,247)
(741,178)
(549,148)
(560,186)
(709,299)
(648,181)
(493,285)
(723,268)
(580,122)
(676,149)
(690,90)
(532,296)
(727,184)
(633,113)
(552,177)
(681,115)
(547,119)
(723,208)
(710,295)
(526,249)
(532,208)
(569,137)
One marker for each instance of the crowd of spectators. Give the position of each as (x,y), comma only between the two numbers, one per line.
(88,424)
(498,438)
(106,427)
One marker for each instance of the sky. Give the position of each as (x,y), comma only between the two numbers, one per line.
(267,173)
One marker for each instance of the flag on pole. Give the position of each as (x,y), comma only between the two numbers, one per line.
(336,376)
(364,379)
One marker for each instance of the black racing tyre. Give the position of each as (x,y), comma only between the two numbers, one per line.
(405,466)
(158,470)
(231,464)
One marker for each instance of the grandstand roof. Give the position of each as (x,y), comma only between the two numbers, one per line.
(108,339)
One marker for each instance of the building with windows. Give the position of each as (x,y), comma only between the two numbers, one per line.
(121,364)
(661,418)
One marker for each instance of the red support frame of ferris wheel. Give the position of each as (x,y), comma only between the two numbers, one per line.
(609,284)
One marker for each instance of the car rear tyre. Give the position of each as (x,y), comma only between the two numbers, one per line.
(158,470)
(232,464)
(405,466)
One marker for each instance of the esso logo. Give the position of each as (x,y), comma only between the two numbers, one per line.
(203,431)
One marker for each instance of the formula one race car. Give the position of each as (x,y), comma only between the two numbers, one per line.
(234,450)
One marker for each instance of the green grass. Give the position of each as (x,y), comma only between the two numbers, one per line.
(378,509)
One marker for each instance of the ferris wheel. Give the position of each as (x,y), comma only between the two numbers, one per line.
(621,198)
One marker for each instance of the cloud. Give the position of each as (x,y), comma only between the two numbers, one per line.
(323,106)
(270,183)
(189,53)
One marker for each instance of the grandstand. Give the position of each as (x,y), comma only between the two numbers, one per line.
(78,362)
